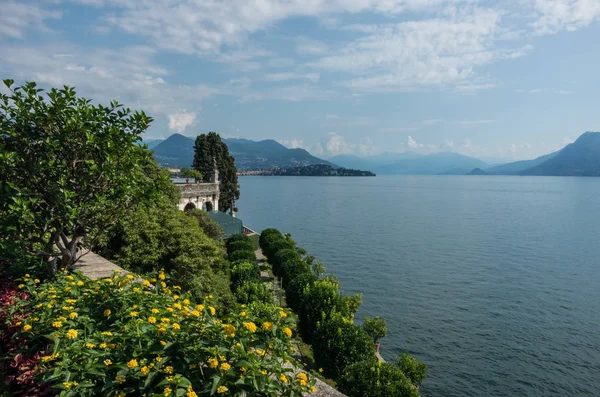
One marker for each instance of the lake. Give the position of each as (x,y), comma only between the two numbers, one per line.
(492,281)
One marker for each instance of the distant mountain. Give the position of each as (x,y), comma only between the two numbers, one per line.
(478,171)
(152,143)
(178,150)
(354,162)
(515,168)
(432,164)
(580,158)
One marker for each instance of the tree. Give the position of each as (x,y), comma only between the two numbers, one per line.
(370,378)
(253,292)
(211,228)
(191,173)
(338,343)
(375,327)
(415,370)
(208,149)
(244,272)
(68,170)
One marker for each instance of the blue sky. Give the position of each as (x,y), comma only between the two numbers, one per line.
(490,79)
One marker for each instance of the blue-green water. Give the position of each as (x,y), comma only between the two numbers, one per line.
(494,282)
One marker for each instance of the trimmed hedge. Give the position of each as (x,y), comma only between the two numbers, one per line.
(242,256)
(235,238)
(294,291)
(245,272)
(281,256)
(240,245)
(291,269)
(373,379)
(253,291)
(266,233)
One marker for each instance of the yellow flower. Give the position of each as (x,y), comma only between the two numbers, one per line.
(225,366)
(250,327)
(264,372)
(212,310)
(169,369)
(195,313)
(73,315)
(79,283)
(102,346)
(267,326)
(146,283)
(229,329)
(21,286)
(313,389)
(120,379)
(106,333)
(165,320)
(162,342)
(167,391)
(133,314)
(243,314)
(90,345)
(72,334)
(161,275)
(213,362)
(27,327)
(200,307)
(151,320)
(132,363)
(37,281)
(190,392)
(302,379)
(283,378)
(129,277)
(155,311)
(288,332)
(222,389)
(57,324)
(107,313)
(158,359)
(161,330)
(67,385)
(177,306)
(145,371)
(107,362)
(321,370)
(163,284)
(186,301)
(170,309)
(122,394)
(176,326)
(282,314)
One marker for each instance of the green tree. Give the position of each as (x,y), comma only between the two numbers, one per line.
(191,173)
(244,272)
(294,290)
(291,269)
(253,292)
(211,228)
(265,233)
(375,327)
(338,343)
(208,149)
(282,256)
(370,378)
(68,170)
(415,370)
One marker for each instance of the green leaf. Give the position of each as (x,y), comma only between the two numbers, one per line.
(215,385)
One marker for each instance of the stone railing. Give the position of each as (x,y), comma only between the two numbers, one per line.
(197,189)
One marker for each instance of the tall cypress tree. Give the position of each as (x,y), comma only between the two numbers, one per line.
(207,149)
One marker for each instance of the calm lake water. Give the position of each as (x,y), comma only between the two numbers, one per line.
(494,282)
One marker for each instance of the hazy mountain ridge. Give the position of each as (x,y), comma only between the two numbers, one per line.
(178,151)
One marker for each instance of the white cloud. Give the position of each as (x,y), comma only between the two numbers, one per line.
(293,143)
(285,76)
(412,144)
(567,140)
(178,122)
(556,15)
(16,17)
(336,144)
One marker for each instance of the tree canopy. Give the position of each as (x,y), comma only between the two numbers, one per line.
(208,149)
(68,168)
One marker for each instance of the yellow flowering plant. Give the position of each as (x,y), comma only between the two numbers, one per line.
(172,346)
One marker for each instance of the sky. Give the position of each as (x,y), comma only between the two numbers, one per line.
(490,79)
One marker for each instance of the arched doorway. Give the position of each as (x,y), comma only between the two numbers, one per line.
(189,207)
(208,206)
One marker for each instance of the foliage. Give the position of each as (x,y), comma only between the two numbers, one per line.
(211,228)
(208,149)
(323,301)
(235,238)
(274,244)
(294,290)
(164,238)
(191,173)
(266,233)
(119,336)
(240,245)
(338,343)
(253,291)
(242,255)
(373,379)
(281,256)
(243,273)
(415,370)
(375,327)
(291,269)
(68,168)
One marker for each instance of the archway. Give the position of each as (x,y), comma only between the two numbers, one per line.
(208,206)
(189,207)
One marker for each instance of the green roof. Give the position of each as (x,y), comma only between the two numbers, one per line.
(229,224)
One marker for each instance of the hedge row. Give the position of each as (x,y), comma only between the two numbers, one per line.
(246,284)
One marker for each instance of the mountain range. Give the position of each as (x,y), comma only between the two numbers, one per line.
(178,151)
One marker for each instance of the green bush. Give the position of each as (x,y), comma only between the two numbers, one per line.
(244,272)
(274,244)
(283,255)
(337,344)
(373,379)
(240,245)
(253,292)
(120,336)
(211,228)
(415,370)
(266,233)
(235,238)
(291,269)
(375,327)
(242,256)
(294,290)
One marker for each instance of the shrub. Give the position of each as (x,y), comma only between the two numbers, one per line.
(291,269)
(240,245)
(245,272)
(236,238)
(375,327)
(294,291)
(274,244)
(373,379)
(266,233)
(117,336)
(415,370)
(338,343)
(242,256)
(211,228)
(283,255)
(253,292)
